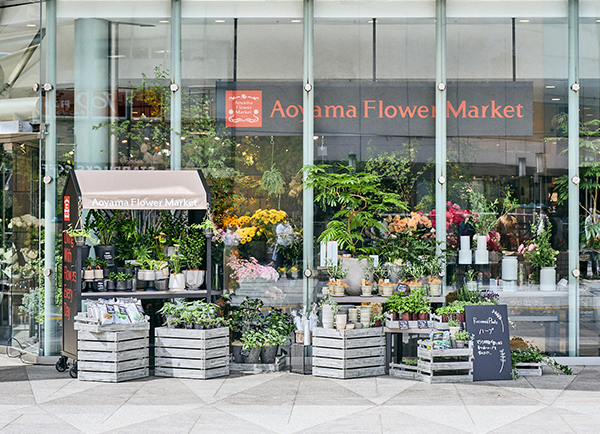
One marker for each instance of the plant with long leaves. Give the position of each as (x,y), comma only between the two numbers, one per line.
(358,199)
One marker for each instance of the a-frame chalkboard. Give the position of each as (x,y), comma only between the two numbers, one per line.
(489,328)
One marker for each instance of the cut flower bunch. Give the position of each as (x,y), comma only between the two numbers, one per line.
(538,251)
(244,270)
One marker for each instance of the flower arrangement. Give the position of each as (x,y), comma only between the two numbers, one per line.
(493,241)
(417,220)
(258,225)
(538,251)
(243,270)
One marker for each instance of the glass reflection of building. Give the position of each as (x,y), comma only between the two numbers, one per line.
(104,65)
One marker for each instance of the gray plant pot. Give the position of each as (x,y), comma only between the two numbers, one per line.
(268,354)
(253,357)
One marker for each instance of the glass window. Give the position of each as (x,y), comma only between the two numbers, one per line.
(507,93)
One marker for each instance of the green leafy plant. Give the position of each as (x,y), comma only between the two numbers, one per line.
(328,300)
(193,247)
(253,339)
(357,199)
(483,213)
(533,355)
(103,224)
(461,335)
(336,272)
(410,362)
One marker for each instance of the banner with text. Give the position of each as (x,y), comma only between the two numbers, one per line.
(499,108)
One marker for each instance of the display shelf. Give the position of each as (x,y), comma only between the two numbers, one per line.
(453,365)
(148,294)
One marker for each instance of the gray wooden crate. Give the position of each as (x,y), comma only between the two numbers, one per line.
(348,353)
(191,353)
(453,365)
(111,353)
(529,369)
(406,372)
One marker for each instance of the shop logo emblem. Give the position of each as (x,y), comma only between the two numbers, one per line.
(67,209)
(243,108)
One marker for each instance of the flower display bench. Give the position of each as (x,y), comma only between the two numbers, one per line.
(348,353)
(191,353)
(111,353)
(453,365)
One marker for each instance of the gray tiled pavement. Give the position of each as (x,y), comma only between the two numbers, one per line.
(38,399)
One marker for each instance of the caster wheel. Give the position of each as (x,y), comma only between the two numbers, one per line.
(61,365)
(73,371)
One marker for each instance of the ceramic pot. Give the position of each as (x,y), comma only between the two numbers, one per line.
(98,274)
(340,321)
(176,282)
(338,290)
(460,344)
(435,289)
(253,356)
(146,275)
(366,289)
(121,285)
(194,278)
(355,274)
(268,354)
(88,275)
(548,279)
(236,350)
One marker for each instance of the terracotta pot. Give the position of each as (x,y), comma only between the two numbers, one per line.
(395,316)
(460,317)
(406,316)
(423,316)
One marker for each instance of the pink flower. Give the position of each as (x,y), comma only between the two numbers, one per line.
(531,247)
(521,249)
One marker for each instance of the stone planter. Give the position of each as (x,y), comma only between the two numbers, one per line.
(355,274)
(194,278)
(176,282)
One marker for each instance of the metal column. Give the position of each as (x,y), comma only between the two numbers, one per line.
(308,146)
(50,346)
(176,91)
(573,178)
(440,125)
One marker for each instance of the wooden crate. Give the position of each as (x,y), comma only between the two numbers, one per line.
(454,365)
(348,353)
(111,353)
(406,372)
(529,369)
(190,353)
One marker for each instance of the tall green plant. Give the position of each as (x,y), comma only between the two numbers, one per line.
(193,247)
(358,200)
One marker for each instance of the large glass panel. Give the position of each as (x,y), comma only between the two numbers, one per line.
(507,96)
(21,295)
(242,126)
(375,144)
(589,165)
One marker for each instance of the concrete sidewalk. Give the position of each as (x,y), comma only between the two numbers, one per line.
(38,399)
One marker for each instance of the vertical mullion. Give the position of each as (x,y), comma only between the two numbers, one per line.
(440,125)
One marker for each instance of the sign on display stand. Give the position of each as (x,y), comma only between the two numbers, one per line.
(489,328)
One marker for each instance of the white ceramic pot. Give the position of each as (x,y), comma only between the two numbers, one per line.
(340,321)
(88,274)
(510,268)
(194,278)
(98,274)
(436,289)
(481,254)
(548,279)
(176,282)
(146,275)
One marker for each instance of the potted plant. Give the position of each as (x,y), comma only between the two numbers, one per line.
(538,252)
(193,251)
(104,225)
(329,308)
(271,343)
(358,201)
(122,279)
(377,320)
(176,279)
(252,343)
(336,274)
(171,311)
(484,220)
(460,337)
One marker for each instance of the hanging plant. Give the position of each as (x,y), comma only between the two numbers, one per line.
(272,181)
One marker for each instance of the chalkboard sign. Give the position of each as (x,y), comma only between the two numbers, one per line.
(403,325)
(423,324)
(488,326)
(402,288)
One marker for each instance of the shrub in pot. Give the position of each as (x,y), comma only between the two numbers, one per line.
(252,341)
(193,251)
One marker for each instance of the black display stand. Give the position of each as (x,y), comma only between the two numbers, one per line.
(73,257)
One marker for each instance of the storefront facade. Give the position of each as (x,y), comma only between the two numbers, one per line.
(442,98)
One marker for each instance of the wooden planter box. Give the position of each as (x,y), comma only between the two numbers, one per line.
(529,369)
(453,365)
(348,353)
(198,354)
(406,372)
(111,353)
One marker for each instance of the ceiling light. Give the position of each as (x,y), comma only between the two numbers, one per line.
(550,87)
(523,21)
(31,25)
(219,21)
(555,99)
(164,21)
(296,21)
